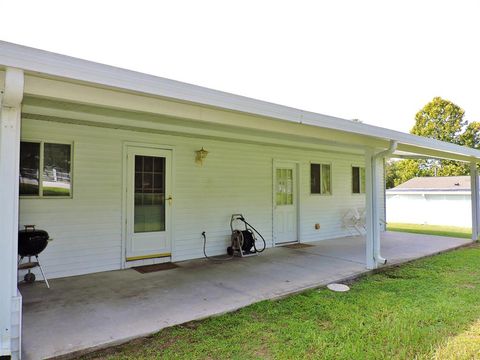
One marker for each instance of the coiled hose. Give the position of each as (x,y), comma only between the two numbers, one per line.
(204,235)
(263,239)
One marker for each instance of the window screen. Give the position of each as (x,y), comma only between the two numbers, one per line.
(56,170)
(320,179)
(326,179)
(358,180)
(45,169)
(29,168)
(315,178)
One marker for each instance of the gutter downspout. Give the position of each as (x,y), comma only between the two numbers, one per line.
(381,155)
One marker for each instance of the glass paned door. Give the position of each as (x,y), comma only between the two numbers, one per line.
(285,202)
(284,179)
(149,212)
(149,202)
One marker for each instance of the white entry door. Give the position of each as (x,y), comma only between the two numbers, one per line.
(285,203)
(148,203)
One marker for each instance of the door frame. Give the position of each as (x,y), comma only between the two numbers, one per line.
(296,164)
(124,264)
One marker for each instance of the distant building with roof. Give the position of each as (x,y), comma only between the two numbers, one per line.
(441,200)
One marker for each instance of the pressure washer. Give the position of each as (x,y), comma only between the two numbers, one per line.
(243,241)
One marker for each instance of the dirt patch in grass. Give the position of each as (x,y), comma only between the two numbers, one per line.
(465,345)
(192,325)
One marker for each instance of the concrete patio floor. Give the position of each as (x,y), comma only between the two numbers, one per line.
(97,310)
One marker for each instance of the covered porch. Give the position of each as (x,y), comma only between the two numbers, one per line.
(104,118)
(93,311)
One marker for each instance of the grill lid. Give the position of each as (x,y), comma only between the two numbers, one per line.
(31,241)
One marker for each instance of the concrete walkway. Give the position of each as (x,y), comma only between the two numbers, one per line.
(97,310)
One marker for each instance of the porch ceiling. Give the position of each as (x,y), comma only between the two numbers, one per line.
(75,113)
(277,133)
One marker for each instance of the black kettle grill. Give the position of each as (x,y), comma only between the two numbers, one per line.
(31,242)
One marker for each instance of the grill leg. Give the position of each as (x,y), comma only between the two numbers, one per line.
(43,274)
(30,260)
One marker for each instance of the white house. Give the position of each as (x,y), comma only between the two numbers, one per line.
(109,162)
(439,200)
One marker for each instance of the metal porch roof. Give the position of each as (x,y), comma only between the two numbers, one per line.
(44,63)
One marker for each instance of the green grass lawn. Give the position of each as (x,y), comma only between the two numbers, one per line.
(441,230)
(55,191)
(421,310)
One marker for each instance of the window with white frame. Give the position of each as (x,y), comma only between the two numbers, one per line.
(320,179)
(45,169)
(358,180)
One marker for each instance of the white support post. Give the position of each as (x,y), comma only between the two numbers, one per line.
(10,113)
(370,209)
(474,187)
(373,204)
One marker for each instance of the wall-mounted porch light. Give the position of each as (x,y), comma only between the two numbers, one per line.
(200,156)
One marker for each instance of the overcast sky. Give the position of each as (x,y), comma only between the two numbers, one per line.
(377,61)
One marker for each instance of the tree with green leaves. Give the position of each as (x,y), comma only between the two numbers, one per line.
(442,120)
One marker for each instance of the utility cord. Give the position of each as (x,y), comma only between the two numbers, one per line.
(204,235)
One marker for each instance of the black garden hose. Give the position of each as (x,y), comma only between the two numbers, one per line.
(231,257)
(205,251)
(263,239)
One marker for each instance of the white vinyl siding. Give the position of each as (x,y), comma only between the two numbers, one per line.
(235,178)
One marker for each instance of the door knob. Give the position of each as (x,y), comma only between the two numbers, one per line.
(170,199)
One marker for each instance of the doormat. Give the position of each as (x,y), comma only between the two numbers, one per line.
(155,267)
(298,246)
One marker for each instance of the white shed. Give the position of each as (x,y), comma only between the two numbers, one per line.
(442,200)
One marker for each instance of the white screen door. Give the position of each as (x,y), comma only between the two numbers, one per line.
(148,203)
(285,202)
